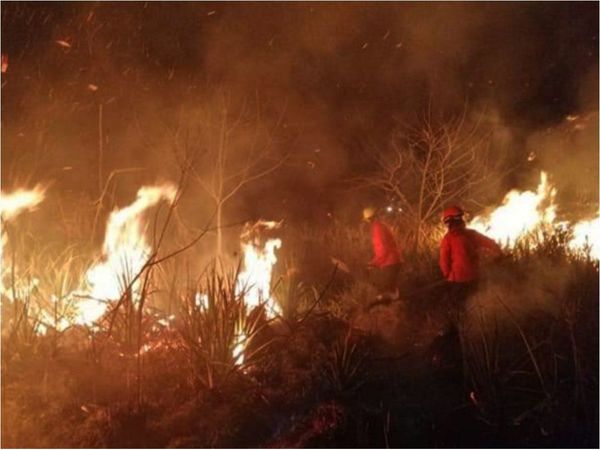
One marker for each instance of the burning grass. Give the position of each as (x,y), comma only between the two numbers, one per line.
(250,354)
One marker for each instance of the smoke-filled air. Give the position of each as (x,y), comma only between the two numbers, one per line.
(299,224)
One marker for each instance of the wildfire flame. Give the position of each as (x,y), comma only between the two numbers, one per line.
(11,205)
(46,317)
(124,253)
(586,234)
(521,213)
(254,282)
(240,346)
(527,213)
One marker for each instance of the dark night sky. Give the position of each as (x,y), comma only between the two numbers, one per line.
(343,73)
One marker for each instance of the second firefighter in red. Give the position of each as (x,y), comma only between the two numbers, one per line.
(386,254)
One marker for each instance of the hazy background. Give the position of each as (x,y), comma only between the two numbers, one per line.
(331,81)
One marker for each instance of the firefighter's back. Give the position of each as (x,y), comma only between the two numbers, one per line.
(464,255)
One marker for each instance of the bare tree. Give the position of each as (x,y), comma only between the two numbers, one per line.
(438,162)
(230,145)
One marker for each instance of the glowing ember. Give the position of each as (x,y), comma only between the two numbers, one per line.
(125,252)
(254,282)
(521,214)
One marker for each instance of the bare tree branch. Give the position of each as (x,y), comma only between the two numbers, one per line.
(427,166)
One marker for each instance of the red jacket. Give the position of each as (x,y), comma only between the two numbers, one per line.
(386,252)
(459,253)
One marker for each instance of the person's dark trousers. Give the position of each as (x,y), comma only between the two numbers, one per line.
(457,294)
(447,347)
(389,278)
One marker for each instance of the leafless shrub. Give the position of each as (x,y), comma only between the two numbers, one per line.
(229,145)
(435,163)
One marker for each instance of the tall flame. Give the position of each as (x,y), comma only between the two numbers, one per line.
(125,251)
(254,282)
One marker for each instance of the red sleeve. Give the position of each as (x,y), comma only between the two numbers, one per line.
(488,244)
(445,257)
(379,244)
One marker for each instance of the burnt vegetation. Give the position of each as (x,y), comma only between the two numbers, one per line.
(326,373)
(249,121)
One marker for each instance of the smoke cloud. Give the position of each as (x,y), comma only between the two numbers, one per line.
(332,76)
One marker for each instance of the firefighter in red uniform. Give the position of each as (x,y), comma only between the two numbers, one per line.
(459,259)
(386,254)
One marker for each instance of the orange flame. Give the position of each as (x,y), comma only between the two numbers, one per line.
(521,214)
(586,234)
(528,213)
(125,252)
(254,282)
(11,205)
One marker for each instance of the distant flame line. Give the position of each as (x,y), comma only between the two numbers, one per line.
(528,213)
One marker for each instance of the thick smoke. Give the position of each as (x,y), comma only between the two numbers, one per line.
(569,150)
(333,76)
